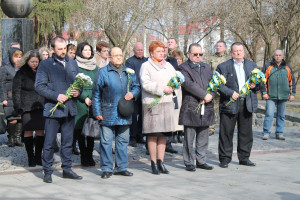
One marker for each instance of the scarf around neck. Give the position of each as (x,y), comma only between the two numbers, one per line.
(88,64)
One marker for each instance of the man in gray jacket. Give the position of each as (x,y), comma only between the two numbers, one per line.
(197,76)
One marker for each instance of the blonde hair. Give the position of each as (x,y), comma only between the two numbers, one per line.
(42,49)
(28,56)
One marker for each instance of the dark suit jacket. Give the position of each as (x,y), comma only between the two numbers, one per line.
(52,79)
(173,62)
(226,91)
(194,90)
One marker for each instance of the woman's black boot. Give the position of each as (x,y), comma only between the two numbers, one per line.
(29,149)
(90,149)
(162,167)
(154,168)
(39,144)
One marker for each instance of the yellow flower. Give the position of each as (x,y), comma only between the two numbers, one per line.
(255,71)
(223,79)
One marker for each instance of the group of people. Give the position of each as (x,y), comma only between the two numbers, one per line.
(31,85)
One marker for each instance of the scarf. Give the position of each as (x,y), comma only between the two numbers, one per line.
(87,64)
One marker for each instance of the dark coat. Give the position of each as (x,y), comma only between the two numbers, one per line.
(173,62)
(194,90)
(109,87)
(7,73)
(135,64)
(226,91)
(25,97)
(52,79)
(82,108)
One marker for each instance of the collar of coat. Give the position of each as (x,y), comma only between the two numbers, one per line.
(156,65)
(194,65)
(282,64)
(111,66)
(57,60)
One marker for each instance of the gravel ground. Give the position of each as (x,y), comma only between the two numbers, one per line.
(15,158)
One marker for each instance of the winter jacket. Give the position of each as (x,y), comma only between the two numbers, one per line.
(280,80)
(52,79)
(135,64)
(7,73)
(226,91)
(194,90)
(109,87)
(25,97)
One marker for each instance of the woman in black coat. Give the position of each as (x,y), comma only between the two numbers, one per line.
(7,73)
(29,104)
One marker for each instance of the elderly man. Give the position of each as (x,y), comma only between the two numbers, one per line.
(53,78)
(198,75)
(219,57)
(109,87)
(135,62)
(281,87)
(172,45)
(236,72)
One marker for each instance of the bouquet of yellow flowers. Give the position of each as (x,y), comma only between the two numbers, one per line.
(80,81)
(256,77)
(174,82)
(215,82)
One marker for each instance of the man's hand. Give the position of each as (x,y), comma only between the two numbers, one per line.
(265,96)
(5,102)
(291,98)
(129,96)
(62,98)
(75,93)
(88,101)
(208,98)
(202,102)
(168,90)
(252,85)
(235,95)
(99,117)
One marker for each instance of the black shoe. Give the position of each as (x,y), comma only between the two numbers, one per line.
(47,178)
(154,168)
(132,143)
(124,173)
(84,162)
(75,151)
(171,150)
(205,166)
(247,163)
(141,141)
(71,175)
(224,164)
(190,168)
(106,175)
(161,167)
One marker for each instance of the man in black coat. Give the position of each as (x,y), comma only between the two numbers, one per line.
(197,76)
(135,62)
(236,71)
(53,78)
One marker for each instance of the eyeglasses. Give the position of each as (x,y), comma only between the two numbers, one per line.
(197,54)
(117,55)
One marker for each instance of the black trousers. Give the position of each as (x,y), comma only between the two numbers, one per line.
(243,119)
(136,126)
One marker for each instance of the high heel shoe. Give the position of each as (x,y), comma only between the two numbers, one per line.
(154,168)
(162,167)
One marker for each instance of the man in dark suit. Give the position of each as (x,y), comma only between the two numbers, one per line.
(236,72)
(53,78)
(135,62)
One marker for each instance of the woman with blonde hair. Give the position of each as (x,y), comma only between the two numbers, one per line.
(45,53)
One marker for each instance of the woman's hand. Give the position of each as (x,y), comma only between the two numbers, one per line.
(88,101)
(5,102)
(168,90)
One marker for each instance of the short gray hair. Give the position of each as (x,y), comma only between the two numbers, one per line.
(278,50)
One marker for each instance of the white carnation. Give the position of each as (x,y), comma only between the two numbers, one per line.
(130,71)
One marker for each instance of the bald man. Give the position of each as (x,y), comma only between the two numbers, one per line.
(135,62)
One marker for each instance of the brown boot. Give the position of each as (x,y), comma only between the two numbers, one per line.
(18,134)
(11,134)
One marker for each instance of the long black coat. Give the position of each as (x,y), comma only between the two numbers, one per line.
(25,98)
(194,90)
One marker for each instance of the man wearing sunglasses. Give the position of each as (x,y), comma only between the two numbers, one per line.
(197,76)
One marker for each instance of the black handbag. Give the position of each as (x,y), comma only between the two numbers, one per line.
(91,127)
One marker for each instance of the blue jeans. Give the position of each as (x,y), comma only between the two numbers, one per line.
(269,115)
(122,140)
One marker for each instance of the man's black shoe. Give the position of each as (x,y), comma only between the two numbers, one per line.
(247,163)
(190,168)
(205,166)
(47,178)
(71,175)
(106,175)
(141,141)
(170,149)
(132,143)
(224,164)
(123,173)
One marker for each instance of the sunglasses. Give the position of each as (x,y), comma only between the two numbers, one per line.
(197,54)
